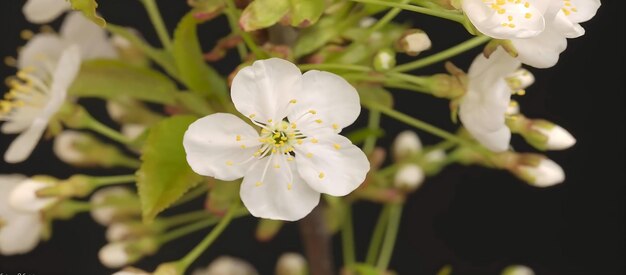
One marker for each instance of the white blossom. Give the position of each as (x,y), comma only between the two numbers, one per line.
(20,231)
(114,255)
(24,196)
(483,107)
(298,153)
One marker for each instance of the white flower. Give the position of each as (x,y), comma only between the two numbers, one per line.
(20,231)
(298,154)
(406,144)
(114,255)
(409,177)
(226,265)
(483,107)
(33,100)
(504,19)
(44,11)
(544,174)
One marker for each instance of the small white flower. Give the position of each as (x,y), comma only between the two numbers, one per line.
(291,264)
(483,107)
(44,11)
(415,42)
(225,265)
(24,196)
(20,231)
(114,255)
(33,100)
(558,138)
(546,173)
(543,50)
(406,144)
(297,155)
(409,177)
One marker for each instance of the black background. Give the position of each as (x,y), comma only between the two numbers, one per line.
(476,219)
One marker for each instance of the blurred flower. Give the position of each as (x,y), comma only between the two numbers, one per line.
(414,41)
(406,144)
(226,265)
(33,100)
(44,11)
(409,177)
(518,270)
(298,154)
(483,107)
(20,230)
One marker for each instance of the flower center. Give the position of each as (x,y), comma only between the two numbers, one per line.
(279,138)
(26,90)
(509,11)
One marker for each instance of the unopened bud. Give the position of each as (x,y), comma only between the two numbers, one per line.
(119,254)
(409,177)
(119,231)
(517,270)
(226,265)
(538,170)
(557,137)
(384,60)
(24,196)
(291,264)
(85,150)
(414,41)
(406,144)
(114,204)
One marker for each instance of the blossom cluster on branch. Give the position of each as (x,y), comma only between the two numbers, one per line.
(275,138)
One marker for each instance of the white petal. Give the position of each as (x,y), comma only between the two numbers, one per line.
(541,51)
(62,77)
(44,11)
(561,24)
(25,143)
(91,38)
(44,47)
(214,146)
(16,125)
(264,89)
(325,100)
(24,196)
(20,234)
(558,138)
(482,109)
(277,193)
(510,20)
(579,11)
(546,173)
(333,165)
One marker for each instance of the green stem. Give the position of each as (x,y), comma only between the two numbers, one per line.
(233,14)
(377,236)
(408,87)
(418,80)
(177,220)
(187,229)
(373,124)
(443,55)
(101,181)
(347,238)
(454,16)
(78,206)
(209,239)
(385,19)
(104,130)
(391,233)
(334,66)
(157,21)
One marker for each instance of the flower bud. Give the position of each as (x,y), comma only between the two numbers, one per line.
(413,42)
(538,170)
(119,231)
(226,265)
(291,264)
(406,144)
(557,137)
(517,270)
(409,177)
(84,150)
(24,196)
(384,60)
(114,255)
(114,204)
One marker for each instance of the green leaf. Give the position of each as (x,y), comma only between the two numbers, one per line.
(327,29)
(88,8)
(111,79)
(161,57)
(263,13)
(306,12)
(193,71)
(164,175)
